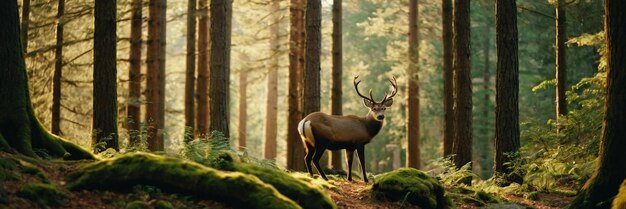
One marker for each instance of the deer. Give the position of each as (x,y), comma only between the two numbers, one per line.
(320,131)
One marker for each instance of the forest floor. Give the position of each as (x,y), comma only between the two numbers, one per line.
(346,194)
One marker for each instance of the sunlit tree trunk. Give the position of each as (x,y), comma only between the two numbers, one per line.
(202,88)
(133,106)
(190,72)
(336,102)
(611,169)
(243,109)
(58,73)
(104,128)
(561,64)
(462,145)
(25,23)
(219,68)
(155,87)
(20,131)
(295,150)
(413,103)
(272,85)
(448,93)
(507,87)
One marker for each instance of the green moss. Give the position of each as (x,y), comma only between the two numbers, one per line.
(532,196)
(620,199)
(175,175)
(31,169)
(162,204)
(137,205)
(413,185)
(485,197)
(43,194)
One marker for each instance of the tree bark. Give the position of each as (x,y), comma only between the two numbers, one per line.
(295,150)
(462,145)
(336,160)
(155,87)
(202,95)
(561,63)
(219,92)
(448,93)
(133,108)
(272,85)
(611,170)
(507,87)
(190,72)
(243,109)
(25,24)
(20,131)
(105,76)
(413,103)
(58,71)
(313,43)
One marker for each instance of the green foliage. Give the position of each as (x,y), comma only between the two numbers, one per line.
(450,175)
(411,185)
(45,195)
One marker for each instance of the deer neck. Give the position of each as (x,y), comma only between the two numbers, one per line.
(373,126)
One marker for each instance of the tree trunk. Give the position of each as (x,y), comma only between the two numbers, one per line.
(155,87)
(202,95)
(58,73)
(611,170)
(243,109)
(507,87)
(272,85)
(486,145)
(336,102)
(25,23)
(313,43)
(561,63)
(190,71)
(448,93)
(133,108)
(413,103)
(105,76)
(462,145)
(295,149)
(219,93)
(20,131)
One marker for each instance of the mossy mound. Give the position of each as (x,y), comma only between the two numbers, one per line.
(620,200)
(301,192)
(45,195)
(410,185)
(171,174)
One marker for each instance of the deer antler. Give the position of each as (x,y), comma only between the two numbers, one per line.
(356,87)
(394,85)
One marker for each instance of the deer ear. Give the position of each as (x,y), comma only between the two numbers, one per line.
(367,103)
(388,102)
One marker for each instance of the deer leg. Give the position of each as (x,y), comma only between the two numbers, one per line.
(310,150)
(349,156)
(319,151)
(361,152)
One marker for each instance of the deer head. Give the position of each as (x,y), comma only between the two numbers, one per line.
(377,109)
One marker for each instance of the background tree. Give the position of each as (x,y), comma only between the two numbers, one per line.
(413,103)
(295,151)
(601,188)
(561,61)
(336,94)
(21,132)
(219,69)
(58,71)
(313,45)
(155,86)
(243,109)
(202,95)
(448,93)
(133,106)
(105,76)
(272,84)
(462,145)
(507,141)
(190,73)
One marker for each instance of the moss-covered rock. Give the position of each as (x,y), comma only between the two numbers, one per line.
(43,194)
(620,200)
(171,174)
(411,185)
(137,205)
(162,204)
